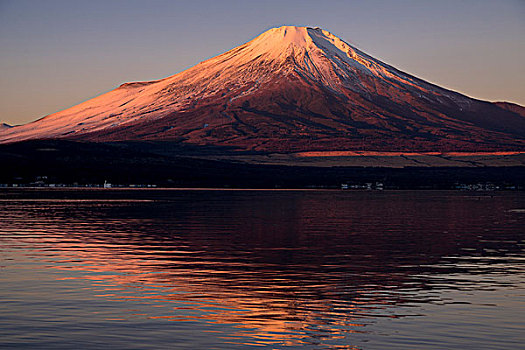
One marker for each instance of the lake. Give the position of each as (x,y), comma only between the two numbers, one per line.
(236,269)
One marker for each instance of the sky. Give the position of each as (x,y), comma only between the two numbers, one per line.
(56,54)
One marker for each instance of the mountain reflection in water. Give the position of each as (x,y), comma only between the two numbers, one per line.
(324,269)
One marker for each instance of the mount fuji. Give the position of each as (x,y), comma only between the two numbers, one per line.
(291,89)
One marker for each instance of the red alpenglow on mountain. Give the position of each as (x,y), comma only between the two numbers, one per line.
(290,89)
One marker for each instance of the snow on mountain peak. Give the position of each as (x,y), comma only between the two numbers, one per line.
(283,36)
(315,53)
(279,42)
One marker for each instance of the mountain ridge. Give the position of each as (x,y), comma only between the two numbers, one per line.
(290,89)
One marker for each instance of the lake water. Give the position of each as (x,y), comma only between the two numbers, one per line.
(189,269)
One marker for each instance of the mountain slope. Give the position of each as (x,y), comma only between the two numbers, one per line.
(289,89)
(511,107)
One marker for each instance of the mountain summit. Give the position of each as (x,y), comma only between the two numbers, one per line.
(290,89)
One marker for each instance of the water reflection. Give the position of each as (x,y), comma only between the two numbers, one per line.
(284,268)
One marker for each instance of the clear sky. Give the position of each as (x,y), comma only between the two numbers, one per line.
(55,54)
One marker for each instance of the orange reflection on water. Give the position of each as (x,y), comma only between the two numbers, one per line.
(267,310)
(280,271)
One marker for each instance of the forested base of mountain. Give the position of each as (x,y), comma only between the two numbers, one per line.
(57,162)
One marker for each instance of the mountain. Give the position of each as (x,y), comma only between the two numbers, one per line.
(512,107)
(291,89)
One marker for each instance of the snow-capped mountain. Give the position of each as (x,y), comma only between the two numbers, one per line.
(289,89)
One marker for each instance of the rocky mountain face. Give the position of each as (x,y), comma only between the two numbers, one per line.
(291,89)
